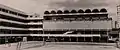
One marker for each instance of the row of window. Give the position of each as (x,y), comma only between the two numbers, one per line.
(17,19)
(75,11)
(76,32)
(97,18)
(3,31)
(11,12)
(19,26)
(12,18)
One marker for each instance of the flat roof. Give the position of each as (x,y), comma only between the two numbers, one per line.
(11,9)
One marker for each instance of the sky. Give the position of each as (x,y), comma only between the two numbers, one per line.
(39,6)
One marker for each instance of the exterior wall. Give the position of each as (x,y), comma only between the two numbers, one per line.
(77,25)
(34,24)
(15,24)
(118,16)
(12,9)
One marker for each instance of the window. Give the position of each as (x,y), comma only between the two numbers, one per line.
(47,18)
(3,10)
(0,9)
(54,18)
(72,18)
(79,18)
(30,16)
(6,11)
(103,17)
(66,18)
(95,17)
(11,12)
(14,13)
(87,18)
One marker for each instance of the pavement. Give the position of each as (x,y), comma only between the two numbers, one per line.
(6,47)
(64,46)
(73,47)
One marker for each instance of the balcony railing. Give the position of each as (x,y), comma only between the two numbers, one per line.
(16,16)
(55,35)
(31,23)
(13,28)
(35,29)
(14,34)
(10,21)
(59,25)
(34,18)
(74,14)
(71,35)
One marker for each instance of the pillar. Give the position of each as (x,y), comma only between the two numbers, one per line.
(43,38)
(99,37)
(107,35)
(119,35)
(77,39)
(69,39)
(63,39)
(84,34)
(92,36)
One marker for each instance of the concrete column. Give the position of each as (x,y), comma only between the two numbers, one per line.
(77,39)
(84,33)
(43,37)
(8,11)
(107,36)
(119,35)
(63,39)
(99,37)
(69,39)
(91,37)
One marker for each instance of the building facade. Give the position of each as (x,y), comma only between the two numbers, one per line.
(56,26)
(15,24)
(78,25)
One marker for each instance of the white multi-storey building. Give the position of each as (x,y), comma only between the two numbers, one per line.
(15,24)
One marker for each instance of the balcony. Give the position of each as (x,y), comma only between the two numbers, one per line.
(15,16)
(38,18)
(12,28)
(16,22)
(32,23)
(70,25)
(20,17)
(55,35)
(71,35)
(35,29)
(74,14)
(10,21)
(14,34)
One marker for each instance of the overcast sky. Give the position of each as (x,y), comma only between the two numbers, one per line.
(39,6)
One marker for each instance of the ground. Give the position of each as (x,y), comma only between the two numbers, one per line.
(74,47)
(62,47)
